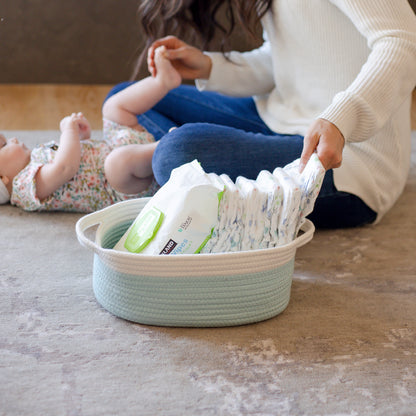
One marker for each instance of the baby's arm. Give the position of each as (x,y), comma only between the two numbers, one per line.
(141,96)
(67,159)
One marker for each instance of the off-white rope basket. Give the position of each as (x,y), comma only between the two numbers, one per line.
(196,290)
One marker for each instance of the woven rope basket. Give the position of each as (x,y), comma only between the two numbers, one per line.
(189,290)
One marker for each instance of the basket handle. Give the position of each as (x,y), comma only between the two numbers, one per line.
(97,217)
(86,222)
(308,229)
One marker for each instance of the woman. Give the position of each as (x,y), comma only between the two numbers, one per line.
(332,76)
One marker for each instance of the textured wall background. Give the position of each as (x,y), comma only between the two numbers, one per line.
(71,41)
(74,41)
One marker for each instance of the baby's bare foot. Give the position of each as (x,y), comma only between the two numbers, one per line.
(165,71)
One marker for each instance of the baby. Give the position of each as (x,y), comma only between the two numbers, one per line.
(82,174)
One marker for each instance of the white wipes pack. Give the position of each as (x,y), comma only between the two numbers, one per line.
(179,218)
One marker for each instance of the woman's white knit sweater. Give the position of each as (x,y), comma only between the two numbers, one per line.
(352,62)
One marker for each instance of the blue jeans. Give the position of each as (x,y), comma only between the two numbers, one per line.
(227,135)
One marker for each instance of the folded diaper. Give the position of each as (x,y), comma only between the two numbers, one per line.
(232,233)
(227,234)
(255,207)
(310,182)
(269,184)
(290,208)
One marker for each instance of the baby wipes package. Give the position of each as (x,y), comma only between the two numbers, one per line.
(179,218)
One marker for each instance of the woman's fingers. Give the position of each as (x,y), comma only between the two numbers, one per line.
(327,141)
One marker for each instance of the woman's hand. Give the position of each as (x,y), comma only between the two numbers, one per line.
(190,62)
(328,142)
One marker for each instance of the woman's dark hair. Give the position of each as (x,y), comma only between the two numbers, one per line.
(197,20)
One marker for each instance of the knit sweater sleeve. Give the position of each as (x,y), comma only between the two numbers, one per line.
(240,74)
(389,74)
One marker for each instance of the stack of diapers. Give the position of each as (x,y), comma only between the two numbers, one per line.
(196,212)
(267,212)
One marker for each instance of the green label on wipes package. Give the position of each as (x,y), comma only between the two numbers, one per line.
(144,230)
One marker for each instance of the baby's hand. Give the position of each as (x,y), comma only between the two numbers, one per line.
(165,71)
(78,123)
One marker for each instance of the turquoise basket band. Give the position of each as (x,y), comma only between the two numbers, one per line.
(206,301)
